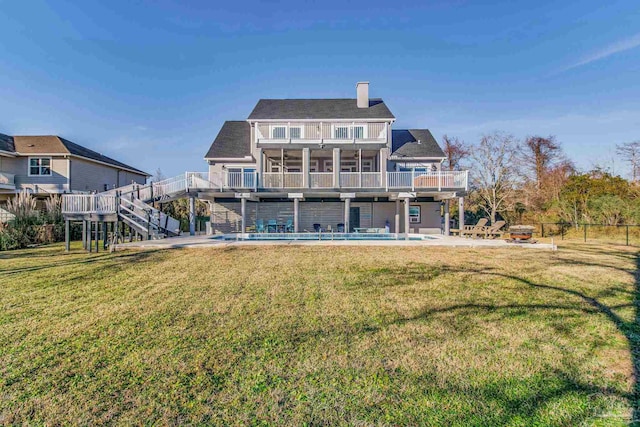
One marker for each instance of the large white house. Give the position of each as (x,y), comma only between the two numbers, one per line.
(330,164)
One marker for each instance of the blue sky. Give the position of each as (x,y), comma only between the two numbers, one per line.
(150,83)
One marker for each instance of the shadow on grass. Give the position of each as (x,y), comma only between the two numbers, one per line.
(117,258)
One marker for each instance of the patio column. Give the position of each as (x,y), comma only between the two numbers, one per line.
(336,167)
(446,218)
(192,216)
(306,166)
(67,235)
(407,202)
(84,234)
(296,214)
(97,237)
(259,165)
(461,213)
(347,207)
(243,213)
(384,155)
(397,218)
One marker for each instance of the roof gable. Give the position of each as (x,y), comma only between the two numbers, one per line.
(233,141)
(52,144)
(415,143)
(318,109)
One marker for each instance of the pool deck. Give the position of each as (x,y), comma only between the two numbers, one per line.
(436,240)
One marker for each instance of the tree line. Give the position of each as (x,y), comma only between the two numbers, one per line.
(533,180)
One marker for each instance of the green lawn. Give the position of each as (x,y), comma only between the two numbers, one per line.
(319,336)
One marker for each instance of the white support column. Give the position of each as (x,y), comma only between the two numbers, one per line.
(192,216)
(384,155)
(347,207)
(461,213)
(243,213)
(282,167)
(306,166)
(336,168)
(296,214)
(397,218)
(407,202)
(359,167)
(447,225)
(259,162)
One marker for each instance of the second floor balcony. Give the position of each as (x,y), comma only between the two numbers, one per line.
(321,132)
(432,181)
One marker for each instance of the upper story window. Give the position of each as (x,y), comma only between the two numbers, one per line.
(39,166)
(279,132)
(341,132)
(295,132)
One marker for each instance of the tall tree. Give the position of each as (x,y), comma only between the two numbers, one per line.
(542,155)
(455,150)
(494,171)
(158,176)
(630,152)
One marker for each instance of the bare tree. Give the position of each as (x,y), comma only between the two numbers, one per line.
(158,176)
(630,152)
(494,171)
(542,155)
(455,150)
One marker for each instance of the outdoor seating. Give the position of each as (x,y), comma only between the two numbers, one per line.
(493,230)
(340,228)
(260,226)
(288,228)
(272,226)
(317,228)
(472,230)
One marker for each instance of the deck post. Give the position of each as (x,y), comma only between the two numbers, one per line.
(243,212)
(67,235)
(296,215)
(84,234)
(336,168)
(446,218)
(461,213)
(192,216)
(306,167)
(347,208)
(104,235)
(397,217)
(97,236)
(407,202)
(89,240)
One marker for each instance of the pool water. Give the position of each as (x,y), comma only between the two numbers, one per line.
(318,236)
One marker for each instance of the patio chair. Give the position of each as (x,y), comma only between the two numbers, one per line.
(288,228)
(317,228)
(493,230)
(260,226)
(272,224)
(340,227)
(471,230)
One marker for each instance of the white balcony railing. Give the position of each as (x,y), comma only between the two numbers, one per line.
(283,180)
(321,180)
(330,132)
(89,203)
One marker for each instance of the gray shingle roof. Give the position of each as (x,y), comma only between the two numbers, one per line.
(233,141)
(6,143)
(79,150)
(405,144)
(318,109)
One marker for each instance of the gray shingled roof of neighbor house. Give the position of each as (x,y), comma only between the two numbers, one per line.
(233,141)
(318,109)
(52,144)
(415,143)
(6,143)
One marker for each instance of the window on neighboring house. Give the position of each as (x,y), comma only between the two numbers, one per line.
(40,166)
(358,132)
(279,132)
(295,132)
(414,214)
(341,132)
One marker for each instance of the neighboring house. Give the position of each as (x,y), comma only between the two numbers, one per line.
(50,164)
(301,164)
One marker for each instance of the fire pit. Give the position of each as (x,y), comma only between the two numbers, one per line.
(521,233)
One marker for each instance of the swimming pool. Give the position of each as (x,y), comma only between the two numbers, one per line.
(319,236)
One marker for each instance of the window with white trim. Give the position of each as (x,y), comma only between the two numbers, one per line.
(39,166)
(279,132)
(341,132)
(295,132)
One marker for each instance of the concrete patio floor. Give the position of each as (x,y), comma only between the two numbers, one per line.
(204,241)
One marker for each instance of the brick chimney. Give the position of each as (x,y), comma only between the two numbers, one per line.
(362,92)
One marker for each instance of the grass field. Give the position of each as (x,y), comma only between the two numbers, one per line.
(320,336)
